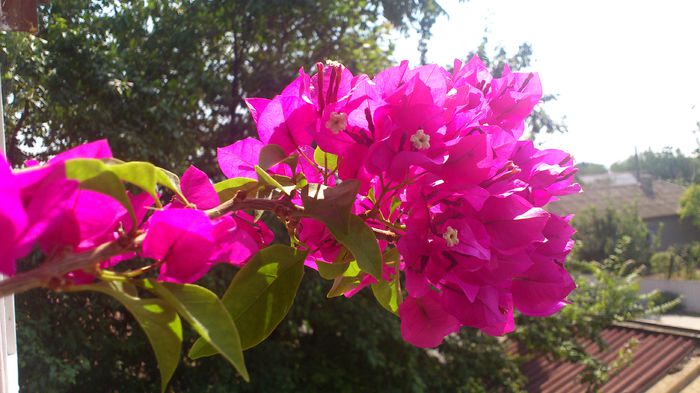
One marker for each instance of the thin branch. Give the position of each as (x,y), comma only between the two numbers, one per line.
(279,207)
(51,273)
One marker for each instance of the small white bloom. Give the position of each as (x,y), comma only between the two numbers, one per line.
(450,236)
(337,122)
(420,140)
(333,63)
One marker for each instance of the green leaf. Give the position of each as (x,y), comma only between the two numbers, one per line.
(266,178)
(103,182)
(362,243)
(343,284)
(330,271)
(207,315)
(260,295)
(228,188)
(332,206)
(140,174)
(159,321)
(326,160)
(143,175)
(263,291)
(270,155)
(395,203)
(386,295)
(370,195)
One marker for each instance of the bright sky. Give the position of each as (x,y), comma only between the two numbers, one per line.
(626,72)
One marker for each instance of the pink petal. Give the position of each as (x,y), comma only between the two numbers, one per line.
(198,189)
(424,323)
(97,149)
(183,239)
(542,289)
(256,106)
(240,158)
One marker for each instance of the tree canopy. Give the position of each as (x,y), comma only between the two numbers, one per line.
(668,164)
(172,75)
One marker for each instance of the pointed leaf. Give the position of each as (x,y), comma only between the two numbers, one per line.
(228,188)
(207,315)
(343,284)
(158,320)
(332,206)
(260,295)
(326,160)
(270,155)
(266,178)
(362,243)
(140,174)
(386,294)
(330,271)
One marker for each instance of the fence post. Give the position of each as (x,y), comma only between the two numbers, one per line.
(9,376)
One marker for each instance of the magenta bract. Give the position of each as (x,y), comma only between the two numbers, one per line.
(441,173)
(477,243)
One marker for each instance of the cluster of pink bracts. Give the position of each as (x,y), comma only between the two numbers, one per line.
(439,163)
(40,206)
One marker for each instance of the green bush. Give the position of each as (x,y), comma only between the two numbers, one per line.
(599,233)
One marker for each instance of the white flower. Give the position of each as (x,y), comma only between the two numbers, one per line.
(337,122)
(420,140)
(450,236)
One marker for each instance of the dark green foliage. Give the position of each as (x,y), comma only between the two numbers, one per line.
(690,205)
(668,164)
(590,168)
(352,345)
(345,345)
(599,233)
(164,81)
(680,261)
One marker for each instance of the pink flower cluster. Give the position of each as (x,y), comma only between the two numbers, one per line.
(475,241)
(40,206)
(443,177)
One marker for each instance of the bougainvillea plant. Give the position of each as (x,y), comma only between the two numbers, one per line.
(414,183)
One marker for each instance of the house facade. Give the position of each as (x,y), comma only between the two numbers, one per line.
(657,202)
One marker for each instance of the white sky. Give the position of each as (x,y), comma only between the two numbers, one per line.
(627,72)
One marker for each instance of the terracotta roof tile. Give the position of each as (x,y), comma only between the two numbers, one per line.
(663,202)
(655,354)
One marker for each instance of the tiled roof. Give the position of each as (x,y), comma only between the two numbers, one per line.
(662,202)
(657,352)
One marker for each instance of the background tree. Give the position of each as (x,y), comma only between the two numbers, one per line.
(690,205)
(599,233)
(590,168)
(668,164)
(178,69)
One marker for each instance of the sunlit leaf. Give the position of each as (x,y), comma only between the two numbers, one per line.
(228,188)
(333,206)
(158,319)
(260,295)
(326,160)
(207,315)
(266,178)
(270,155)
